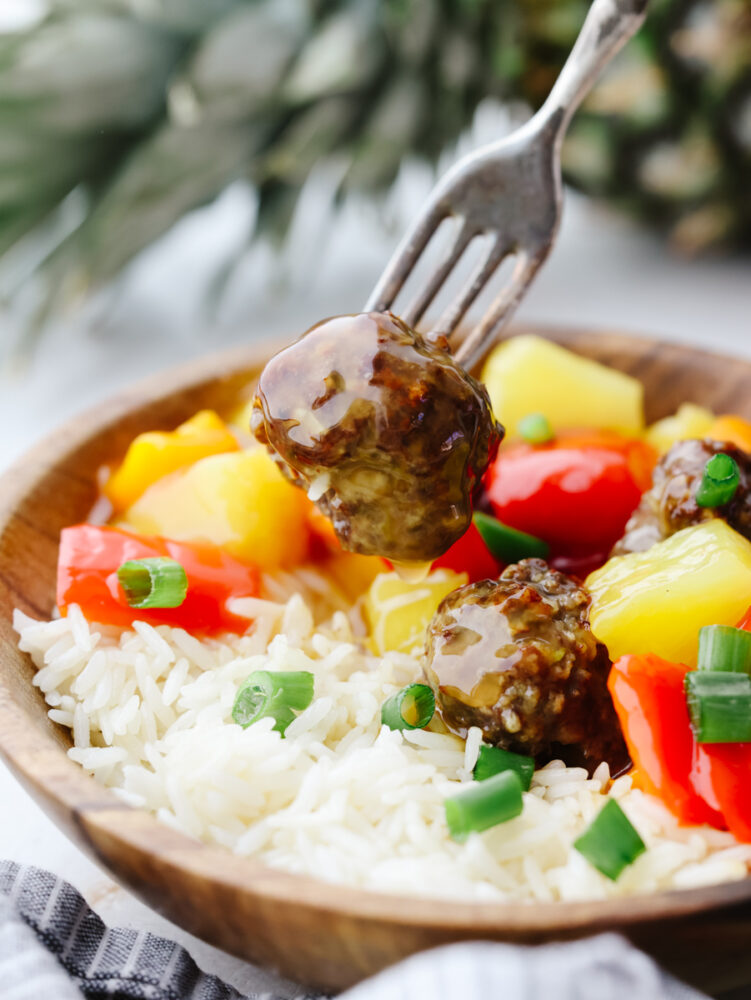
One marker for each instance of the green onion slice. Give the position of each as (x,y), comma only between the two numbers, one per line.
(411,708)
(268,694)
(153,583)
(507,544)
(719,481)
(494,760)
(719,705)
(610,843)
(486,804)
(723,647)
(535,428)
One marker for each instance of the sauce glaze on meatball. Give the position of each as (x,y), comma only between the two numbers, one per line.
(516,657)
(392,435)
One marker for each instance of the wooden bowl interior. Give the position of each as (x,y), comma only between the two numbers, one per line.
(323,935)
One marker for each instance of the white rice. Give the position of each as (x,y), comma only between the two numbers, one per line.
(341,797)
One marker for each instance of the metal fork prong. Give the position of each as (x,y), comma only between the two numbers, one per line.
(472,349)
(484,271)
(404,259)
(451,257)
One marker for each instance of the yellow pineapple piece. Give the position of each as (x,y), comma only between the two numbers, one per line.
(689,421)
(656,601)
(528,374)
(398,612)
(239,500)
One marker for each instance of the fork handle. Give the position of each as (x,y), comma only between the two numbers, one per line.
(608,26)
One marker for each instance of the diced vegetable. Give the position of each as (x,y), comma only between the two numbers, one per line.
(398,612)
(472,556)
(87,575)
(156,454)
(689,421)
(719,481)
(239,501)
(649,699)
(411,708)
(611,843)
(577,493)
(529,374)
(495,760)
(723,647)
(719,706)
(535,429)
(698,782)
(720,774)
(153,583)
(273,694)
(657,600)
(352,573)
(507,544)
(733,429)
(486,804)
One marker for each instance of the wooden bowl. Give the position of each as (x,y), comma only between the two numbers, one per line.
(322,935)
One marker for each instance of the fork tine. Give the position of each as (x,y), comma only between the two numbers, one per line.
(416,309)
(484,271)
(404,259)
(472,350)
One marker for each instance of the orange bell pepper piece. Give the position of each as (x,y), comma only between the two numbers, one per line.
(732,428)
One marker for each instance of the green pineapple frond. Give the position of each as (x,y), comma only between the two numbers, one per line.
(152,108)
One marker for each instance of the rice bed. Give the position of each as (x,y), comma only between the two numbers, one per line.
(341,798)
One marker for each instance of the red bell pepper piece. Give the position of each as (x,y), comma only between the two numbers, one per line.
(650,701)
(469,554)
(577,493)
(90,557)
(721,774)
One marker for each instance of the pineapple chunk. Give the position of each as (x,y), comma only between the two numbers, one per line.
(398,613)
(656,601)
(239,501)
(527,374)
(689,421)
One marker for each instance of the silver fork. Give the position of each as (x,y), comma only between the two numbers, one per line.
(508,191)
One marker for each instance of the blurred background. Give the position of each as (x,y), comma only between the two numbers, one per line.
(181,175)
(177,176)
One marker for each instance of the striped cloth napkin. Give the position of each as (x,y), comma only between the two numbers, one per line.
(53,946)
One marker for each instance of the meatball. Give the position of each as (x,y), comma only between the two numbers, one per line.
(670,505)
(516,657)
(385,430)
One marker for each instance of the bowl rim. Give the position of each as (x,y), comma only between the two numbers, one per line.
(63,787)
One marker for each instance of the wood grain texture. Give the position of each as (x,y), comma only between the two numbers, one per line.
(322,935)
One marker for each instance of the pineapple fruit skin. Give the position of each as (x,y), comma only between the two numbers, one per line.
(656,601)
(528,374)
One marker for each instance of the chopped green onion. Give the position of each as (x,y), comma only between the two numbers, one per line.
(723,647)
(719,481)
(411,708)
(486,804)
(507,544)
(610,843)
(535,428)
(494,760)
(267,694)
(153,583)
(719,704)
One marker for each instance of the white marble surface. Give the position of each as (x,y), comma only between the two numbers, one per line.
(604,273)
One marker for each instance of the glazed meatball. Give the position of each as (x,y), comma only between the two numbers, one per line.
(383,429)
(670,504)
(516,657)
